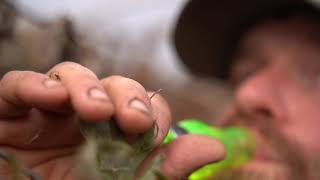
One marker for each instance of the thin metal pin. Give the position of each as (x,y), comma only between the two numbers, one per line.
(155,93)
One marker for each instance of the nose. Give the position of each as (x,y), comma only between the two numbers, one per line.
(259,97)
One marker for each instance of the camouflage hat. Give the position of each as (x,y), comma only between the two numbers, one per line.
(208,31)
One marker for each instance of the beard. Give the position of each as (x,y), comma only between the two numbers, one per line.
(288,163)
(266,172)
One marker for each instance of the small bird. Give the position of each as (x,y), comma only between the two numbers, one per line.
(107,155)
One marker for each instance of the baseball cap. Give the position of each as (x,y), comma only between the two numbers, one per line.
(208,31)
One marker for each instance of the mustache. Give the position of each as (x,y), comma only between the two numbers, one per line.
(287,151)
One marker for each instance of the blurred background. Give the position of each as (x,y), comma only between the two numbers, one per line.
(124,37)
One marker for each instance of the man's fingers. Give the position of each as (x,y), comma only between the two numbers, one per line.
(188,153)
(87,95)
(22,90)
(40,130)
(133,107)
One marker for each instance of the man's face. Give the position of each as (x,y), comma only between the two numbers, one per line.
(276,74)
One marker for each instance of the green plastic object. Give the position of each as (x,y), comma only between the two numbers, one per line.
(239,143)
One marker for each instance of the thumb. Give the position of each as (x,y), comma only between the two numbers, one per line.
(188,153)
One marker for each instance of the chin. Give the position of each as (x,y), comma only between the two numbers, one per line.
(266,165)
(255,170)
(261,169)
(269,163)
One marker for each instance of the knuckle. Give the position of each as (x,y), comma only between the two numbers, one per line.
(124,83)
(10,75)
(29,76)
(17,81)
(122,79)
(25,80)
(69,65)
(112,78)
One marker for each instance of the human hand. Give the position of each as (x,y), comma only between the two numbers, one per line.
(39,120)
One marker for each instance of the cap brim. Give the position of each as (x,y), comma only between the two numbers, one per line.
(207,31)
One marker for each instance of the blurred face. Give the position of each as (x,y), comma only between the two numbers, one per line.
(276,75)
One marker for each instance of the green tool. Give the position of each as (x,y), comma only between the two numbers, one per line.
(239,143)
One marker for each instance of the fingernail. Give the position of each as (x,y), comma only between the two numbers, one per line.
(49,83)
(139,105)
(96,93)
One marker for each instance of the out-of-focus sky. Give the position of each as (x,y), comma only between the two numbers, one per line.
(141,30)
(106,8)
